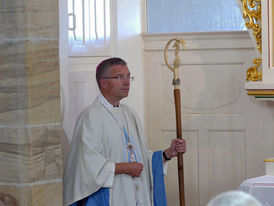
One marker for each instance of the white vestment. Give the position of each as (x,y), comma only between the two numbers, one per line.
(99,142)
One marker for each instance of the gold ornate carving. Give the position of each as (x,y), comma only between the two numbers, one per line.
(252,14)
(176,62)
(253,74)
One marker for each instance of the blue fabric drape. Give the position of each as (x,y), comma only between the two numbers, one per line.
(159,193)
(99,198)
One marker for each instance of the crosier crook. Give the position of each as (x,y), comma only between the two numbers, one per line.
(177,98)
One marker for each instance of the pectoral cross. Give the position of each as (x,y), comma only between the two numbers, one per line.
(130,148)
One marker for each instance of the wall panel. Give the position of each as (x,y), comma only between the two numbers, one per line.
(225,142)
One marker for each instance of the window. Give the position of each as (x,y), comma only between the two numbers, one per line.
(193,16)
(89,27)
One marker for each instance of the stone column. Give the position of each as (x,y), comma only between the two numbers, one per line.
(30,142)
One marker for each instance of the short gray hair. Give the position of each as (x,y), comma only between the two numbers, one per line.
(103,67)
(234,198)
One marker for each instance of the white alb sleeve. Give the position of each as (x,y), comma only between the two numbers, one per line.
(165,168)
(110,179)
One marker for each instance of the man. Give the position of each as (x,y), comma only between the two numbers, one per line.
(109,163)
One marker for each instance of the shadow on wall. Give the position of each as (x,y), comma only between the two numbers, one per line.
(64,136)
(65,148)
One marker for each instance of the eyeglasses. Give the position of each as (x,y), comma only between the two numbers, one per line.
(120,77)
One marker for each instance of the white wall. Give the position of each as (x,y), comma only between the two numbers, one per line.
(129,46)
(127,24)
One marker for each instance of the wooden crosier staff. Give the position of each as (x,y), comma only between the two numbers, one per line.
(177,98)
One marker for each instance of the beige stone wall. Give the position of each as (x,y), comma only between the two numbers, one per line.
(30,142)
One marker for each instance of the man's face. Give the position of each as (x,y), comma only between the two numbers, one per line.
(117,89)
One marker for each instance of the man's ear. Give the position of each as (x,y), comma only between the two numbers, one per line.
(103,83)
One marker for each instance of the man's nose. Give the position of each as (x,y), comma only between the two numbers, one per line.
(127,81)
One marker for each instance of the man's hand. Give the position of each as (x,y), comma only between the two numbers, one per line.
(176,146)
(134,169)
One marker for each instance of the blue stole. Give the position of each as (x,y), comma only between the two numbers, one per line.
(159,193)
(101,197)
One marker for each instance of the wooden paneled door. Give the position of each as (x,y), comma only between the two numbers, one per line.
(228,133)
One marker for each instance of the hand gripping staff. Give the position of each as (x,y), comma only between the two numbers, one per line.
(176,82)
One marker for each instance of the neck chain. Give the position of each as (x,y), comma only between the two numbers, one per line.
(131,149)
(127,138)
